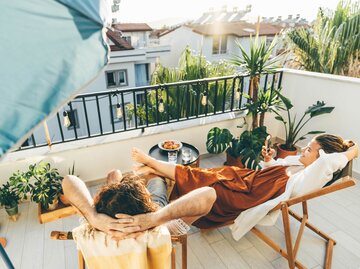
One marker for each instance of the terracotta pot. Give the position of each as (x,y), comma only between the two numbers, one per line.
(282,153)
(54,204)
(64,200)
(231,161)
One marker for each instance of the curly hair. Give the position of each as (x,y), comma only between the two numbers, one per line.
(128,197)
(333,143)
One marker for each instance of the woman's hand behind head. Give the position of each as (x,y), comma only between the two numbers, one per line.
(353,151)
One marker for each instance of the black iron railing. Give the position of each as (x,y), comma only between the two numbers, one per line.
(103,113)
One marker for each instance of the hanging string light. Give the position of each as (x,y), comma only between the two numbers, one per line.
(67,121)
(237,94)
(204,99)
(161,106)
(119,113)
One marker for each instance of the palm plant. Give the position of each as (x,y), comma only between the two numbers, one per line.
(331,44)
(258,60)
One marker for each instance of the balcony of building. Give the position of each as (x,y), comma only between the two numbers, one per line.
(103,141)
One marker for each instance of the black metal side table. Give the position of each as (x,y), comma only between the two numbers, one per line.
(162,155)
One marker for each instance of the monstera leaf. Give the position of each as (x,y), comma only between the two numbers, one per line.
(218,140)
(250,145)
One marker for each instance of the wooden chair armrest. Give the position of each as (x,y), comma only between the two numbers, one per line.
(342,183)
(58,235)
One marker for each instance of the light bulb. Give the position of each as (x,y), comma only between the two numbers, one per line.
(237,94)
(118,111)
(67,121)
(161,106)
(204,100)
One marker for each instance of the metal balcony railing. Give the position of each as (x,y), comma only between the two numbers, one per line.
(108,112)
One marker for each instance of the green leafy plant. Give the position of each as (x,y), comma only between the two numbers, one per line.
(20,181)
(293,128)
(248,146)
(259,60)
(332,44)
(47,184)
(8,196)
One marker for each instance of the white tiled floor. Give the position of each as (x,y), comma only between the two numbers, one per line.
(338,214)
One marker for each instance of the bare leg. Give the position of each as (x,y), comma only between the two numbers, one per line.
(161,168)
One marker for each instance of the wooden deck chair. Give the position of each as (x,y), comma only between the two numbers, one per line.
(341,180)
(181,239)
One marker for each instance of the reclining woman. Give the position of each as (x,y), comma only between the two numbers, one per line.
(253,193)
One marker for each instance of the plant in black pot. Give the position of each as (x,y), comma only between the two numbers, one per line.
(47,185)
(9,198)
(293,128)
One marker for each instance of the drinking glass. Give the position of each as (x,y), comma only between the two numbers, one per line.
(172,157)
(186,155)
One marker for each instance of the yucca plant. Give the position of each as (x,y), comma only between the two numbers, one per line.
(331,44)
(259,60)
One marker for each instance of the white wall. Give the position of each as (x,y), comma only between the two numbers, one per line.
(305,88)
(178,40)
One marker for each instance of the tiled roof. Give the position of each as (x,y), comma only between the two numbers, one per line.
(132,27)
(119,42)
(240,29)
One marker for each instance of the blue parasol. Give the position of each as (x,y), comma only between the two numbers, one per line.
(49,51)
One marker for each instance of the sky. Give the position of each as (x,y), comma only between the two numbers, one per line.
(159,11)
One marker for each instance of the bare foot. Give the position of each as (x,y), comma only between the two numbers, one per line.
(139,156)
(143,170)
(114,176)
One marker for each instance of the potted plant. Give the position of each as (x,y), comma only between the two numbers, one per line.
(293,128)
(47,185)
(259,60)
(245,150)
(20,181)
(9,198)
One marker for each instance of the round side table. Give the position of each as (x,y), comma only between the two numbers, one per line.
(162,155)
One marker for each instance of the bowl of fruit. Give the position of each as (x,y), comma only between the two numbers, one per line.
(170,145)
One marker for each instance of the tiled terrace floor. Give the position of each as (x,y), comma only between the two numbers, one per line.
(29,244)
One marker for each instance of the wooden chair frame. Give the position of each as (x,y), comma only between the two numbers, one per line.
(291,250)
(182,239)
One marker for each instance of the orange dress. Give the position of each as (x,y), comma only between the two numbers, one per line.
(237,189)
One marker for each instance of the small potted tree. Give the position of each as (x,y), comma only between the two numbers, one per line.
(20,181)
(293,128)
(9,198)
(47,185)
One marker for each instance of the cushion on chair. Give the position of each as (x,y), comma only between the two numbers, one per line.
(150,250)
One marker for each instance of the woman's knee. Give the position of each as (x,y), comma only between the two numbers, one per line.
(114,176)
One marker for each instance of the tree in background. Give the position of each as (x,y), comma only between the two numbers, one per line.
(332,44)
(185,100)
